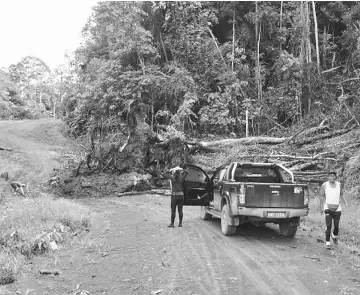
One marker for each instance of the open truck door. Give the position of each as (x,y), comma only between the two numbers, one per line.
(197,187)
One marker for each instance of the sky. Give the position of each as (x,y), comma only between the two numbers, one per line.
(44,29)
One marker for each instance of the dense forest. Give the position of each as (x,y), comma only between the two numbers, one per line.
(183,70)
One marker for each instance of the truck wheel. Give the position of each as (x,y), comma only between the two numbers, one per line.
(287,230)
(227,230)
(204,214)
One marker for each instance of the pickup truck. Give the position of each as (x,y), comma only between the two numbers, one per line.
(240,193)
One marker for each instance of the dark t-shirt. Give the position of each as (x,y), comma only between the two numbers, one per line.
(177,179)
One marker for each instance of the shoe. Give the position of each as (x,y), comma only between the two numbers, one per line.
(334,239)
(180,225)
(170,225)
(328,246)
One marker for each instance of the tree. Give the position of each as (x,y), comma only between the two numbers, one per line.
(31,74)
(316,36)
(179,67)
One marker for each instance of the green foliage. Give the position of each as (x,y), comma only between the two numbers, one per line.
(169,64)
(215,117)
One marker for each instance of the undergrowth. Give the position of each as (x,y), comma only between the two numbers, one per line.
(28,226)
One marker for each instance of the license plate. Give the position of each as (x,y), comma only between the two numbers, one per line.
(276,214)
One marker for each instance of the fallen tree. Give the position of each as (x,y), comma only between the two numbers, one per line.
(310,131)
(322,136)
(164,192)
(234,141)
(136,148)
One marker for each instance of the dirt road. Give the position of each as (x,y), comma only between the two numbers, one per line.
(129,250)
(36,145)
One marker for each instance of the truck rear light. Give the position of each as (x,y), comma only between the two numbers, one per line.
(306,196)
(241,194)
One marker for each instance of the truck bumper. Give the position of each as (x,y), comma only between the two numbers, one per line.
(264,212)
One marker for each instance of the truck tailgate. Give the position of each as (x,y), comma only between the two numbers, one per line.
(275,195)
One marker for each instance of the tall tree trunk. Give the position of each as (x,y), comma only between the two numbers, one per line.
(307,21)
(164,51)
(308,26)
(234,21)
(316,37)
(259,88)
(215,42)
(54,109)
(247,126)
(258,36)
(324,47)
(281,23)
(305,59)
(152,119)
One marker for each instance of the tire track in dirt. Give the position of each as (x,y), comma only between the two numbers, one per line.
(252,265)
(190,250)
(201,260)
(255,258)
(246,266)
(180,237)
(261,260)
(204,259)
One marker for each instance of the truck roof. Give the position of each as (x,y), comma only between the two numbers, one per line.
(257,164)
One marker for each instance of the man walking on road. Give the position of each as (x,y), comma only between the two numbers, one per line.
(177,176)
(330,205)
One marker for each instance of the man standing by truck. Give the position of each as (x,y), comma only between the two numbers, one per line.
(177,176)
(330,205)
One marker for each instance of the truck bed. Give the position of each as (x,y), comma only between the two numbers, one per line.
(274,195)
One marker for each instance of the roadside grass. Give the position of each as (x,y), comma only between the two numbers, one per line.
(29,226)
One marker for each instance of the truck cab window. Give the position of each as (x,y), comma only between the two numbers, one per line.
(195,175)
(257,174)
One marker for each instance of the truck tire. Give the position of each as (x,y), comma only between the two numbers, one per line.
(227,230)
(287,230)
(204,214)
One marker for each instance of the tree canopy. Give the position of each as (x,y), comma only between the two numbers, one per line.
(197,67)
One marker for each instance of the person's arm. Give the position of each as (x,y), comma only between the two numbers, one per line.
(342,195)
(322,198)
(183,175)
(167,174)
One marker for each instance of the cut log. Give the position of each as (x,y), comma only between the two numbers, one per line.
(5,149)
(310,173)
(150,192)
(313,180)
(48,272)
(323,136)
(299,157)
(314,148)
(290,164)
(304,166)
(244,141)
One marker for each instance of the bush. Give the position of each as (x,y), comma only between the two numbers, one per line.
(29,226)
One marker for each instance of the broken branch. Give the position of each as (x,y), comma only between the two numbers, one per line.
(304,166)
(244,141)
(323,136)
